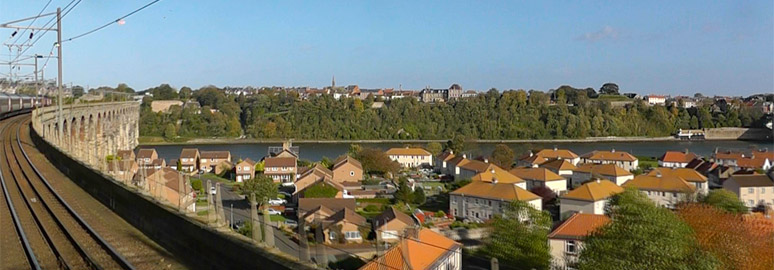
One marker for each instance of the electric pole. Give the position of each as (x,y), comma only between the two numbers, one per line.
(59,63)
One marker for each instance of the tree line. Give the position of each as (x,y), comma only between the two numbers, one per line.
(514,114)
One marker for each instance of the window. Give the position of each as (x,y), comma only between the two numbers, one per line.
(332,235)
(247,168)
(750,203)
(490,203)
(453,199)
(750,190)
(351,173)
(674,195)
(763,190)
(239,168)
(352,235)
(389,235)
(571,248)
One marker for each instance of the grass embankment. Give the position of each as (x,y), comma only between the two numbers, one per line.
(613,98)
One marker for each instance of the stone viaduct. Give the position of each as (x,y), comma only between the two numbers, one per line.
(90,132)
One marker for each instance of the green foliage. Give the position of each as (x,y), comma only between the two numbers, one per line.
(434,148)
(457,184)
(520,237)
(259,166)
(642,236)
(372,208)
(419,196)
(376,161)
(456,144)
(196,184)
(320,190)
(326,162)
(725,200)
(440,213)
(170,132)
(246,229)
(262,186)
(404,193)
(179,165)
(609,89)
(503,156)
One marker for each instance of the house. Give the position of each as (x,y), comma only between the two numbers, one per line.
(752,190)
(664,190)
(391,225)
(281,169)
(566,241)
(322,207)
(347,170)
(541,177)
(689,175)
(423,249)
(496,174)
(122,170)
(344,226)
(622,159)
(213,161)
(441,161)
(561,167)
(244,170)
(701,166)
(165,184)
(480,201)
(612,172)
(164,105)
(125,155)
(146,156)
(311,176)
(467,168)
(189,160)
(534,159)
(656,100)
(286,150)
(589,198)
(410,157)
(676,159)
(755,159)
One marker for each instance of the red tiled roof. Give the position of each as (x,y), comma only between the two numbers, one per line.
(677,157)
(578,226)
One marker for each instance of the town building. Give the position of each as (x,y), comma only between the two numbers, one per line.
(495,174)
(664,190)
(676,159)
(441,161)
(164,105)
(318,174)
(480,201)
(409,157)
(656,100)
(126,155)
(423,249)
(345,226)
(561,167)
(589,198)
(281,169)
(689,175)
(392,225)
(215,161)
(750,160)
(244,170)
(165,184)
(535,159)
(346,169)
(122,170)
(310,209)
(566,241)
(189,159)
(467,168)
(541,177)
(752,190)
(146,156)
(621,159)
(612,172)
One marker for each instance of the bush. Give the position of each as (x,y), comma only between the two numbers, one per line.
(440,213)
(320,190)
(196,184)
(372,208)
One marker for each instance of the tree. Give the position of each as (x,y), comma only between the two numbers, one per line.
(185,93)
(609,89)
(545,193)
(419,196)
(326,162)
(170,132)
(179,165)
(724,200)
(77,91)
(503,156)
(434,148)
(404,193)
(456,144)
(376,161)
(520,237)
(735,240)
(642,235)
(262,186)
(259,166)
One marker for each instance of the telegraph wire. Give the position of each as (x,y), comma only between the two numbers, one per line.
(46,26)
(23,31)
(111,22)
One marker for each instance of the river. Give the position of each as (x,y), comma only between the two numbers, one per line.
(315,151)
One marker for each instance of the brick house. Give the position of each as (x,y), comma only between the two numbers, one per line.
(281,169)
(213,161)
(189,160)
(244,170)
(347,170)
(391,225)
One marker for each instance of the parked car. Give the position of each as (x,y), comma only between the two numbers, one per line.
(273,211)
(277,201)
(291,223)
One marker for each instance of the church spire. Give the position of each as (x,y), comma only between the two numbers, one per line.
(333,82)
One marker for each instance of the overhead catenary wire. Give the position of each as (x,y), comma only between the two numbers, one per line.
(111,22)
(46,25)
(23,31)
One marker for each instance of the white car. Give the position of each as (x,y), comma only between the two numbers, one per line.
(213,190)
(273,211)
(277,202)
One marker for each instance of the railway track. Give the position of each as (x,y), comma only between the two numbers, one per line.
(40,230)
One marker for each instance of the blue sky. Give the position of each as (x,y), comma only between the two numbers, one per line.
(665,47)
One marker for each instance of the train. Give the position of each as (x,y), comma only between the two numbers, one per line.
(12,104)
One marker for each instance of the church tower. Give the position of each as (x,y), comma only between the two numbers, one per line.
(333,82)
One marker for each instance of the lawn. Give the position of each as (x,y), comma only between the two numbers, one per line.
(647,162)
(274,218)
(215,178)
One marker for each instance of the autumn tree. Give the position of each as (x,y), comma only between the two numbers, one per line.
(376,161)
(434,148)
(642,235)
(503,156)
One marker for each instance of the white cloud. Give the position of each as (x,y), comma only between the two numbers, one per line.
(607,32)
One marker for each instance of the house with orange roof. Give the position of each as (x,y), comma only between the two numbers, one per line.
(146,156)
(532,159)
(664,190)
(676,159)
(312,176)
(690,175)
(620,158)
(589,198)
(612,172)
(214,161)
(480,201)
(755,159)
(566,241)
(560,166)
(441,161)
(424,249)
(469,168)
(169,185)
(410,157)
(541,177)
(345,226)
(752,189)
(495,174)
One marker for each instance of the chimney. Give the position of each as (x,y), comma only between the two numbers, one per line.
(613,151)
(686,151)
(464,156)
(597,180)
(451,151)
(555,148)
(486,160)
(494,180)
(530,153)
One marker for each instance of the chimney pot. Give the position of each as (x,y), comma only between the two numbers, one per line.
(613,150)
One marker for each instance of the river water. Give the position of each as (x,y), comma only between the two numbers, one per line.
(315,151)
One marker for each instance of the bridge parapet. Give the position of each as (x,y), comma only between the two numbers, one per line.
(90,132)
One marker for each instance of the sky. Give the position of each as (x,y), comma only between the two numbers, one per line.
(647,47)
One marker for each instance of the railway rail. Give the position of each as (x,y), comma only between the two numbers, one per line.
(40,230)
